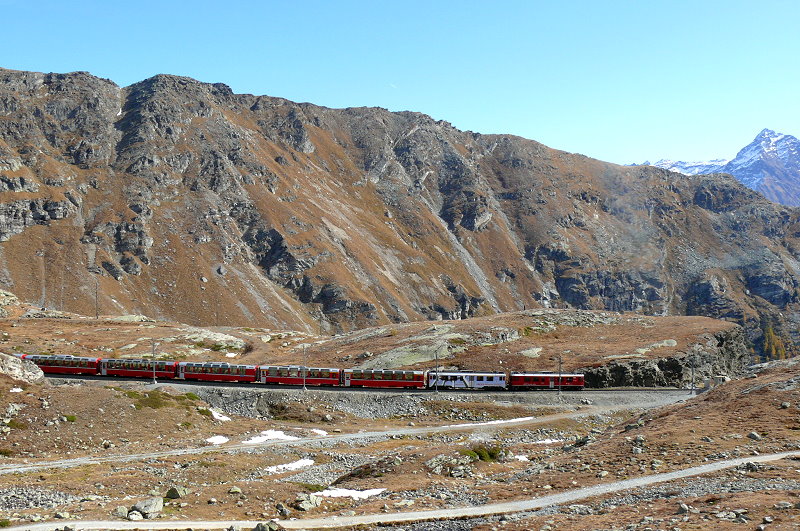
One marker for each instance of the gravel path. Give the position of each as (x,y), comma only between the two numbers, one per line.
(442,514)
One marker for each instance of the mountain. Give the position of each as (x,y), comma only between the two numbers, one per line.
(770,164)
(185,201)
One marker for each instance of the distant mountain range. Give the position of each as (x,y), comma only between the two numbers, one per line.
(770,164)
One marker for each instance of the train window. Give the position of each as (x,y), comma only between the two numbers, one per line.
(480,378)
(408,376)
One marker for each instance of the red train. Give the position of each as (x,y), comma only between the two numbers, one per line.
(309,376)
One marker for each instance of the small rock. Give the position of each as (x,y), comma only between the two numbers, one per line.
(135,516)
(683,508)
(785,405)
(754,435)
(784,505)
(212,501)
(768,519)
(62,515)
(120,512)
(234,490)
(282,510)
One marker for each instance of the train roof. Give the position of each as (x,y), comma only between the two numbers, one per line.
(383,370)
(546,373)
(299,367)
(59,357)
(471,373)
(143,360)
(216,364)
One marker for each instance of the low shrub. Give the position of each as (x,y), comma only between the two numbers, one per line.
(313,487)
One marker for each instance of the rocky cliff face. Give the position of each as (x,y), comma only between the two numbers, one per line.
(724,353)
(182,199)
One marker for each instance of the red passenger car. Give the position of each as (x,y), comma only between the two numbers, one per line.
(216,372)
(138,368)
(546,380)
(383,378)
(65,364)
(293,375)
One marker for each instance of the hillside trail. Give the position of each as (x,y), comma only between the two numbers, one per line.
(333,522)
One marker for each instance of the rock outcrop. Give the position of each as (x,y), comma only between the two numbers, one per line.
(20,370)
(721,354)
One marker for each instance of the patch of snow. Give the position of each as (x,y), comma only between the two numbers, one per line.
(549,441)
(521,458)
(18,390)
(217,439)
(322,433)
(268,435)
(219,416)
(302,463)
(231,355)
(348,493)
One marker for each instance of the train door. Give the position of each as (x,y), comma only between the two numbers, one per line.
(181,371)
(347,375)
(552,382)
(103,368)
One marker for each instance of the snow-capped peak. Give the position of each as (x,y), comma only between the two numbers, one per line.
(770,158)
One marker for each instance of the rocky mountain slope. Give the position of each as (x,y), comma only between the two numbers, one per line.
(187,201)
(770,164)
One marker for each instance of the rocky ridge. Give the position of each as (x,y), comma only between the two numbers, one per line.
(187,201)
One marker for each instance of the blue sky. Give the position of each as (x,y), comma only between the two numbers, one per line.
(622,81)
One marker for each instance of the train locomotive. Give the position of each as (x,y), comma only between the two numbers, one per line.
(296,375)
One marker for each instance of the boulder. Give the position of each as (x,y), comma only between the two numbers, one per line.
(177,492)
(120,512)
(135,516)
(268,526)
(150,507)
(20,370)
(307,502)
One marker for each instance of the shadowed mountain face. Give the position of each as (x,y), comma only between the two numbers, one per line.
(186,201)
